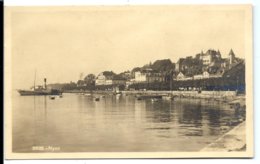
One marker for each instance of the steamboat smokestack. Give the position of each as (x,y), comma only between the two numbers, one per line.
(45,85)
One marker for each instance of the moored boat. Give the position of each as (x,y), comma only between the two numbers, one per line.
(117,91)
(52,97)
(155,99)
(168,97)
(39,91)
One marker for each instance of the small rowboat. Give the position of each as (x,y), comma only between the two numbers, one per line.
(52,97)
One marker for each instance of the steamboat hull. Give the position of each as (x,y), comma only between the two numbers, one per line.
(39,93)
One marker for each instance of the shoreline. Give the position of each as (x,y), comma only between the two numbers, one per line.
(221,96)
(234,140)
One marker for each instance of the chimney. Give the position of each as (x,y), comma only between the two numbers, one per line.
(45,85)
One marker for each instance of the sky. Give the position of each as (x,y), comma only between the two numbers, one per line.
(60,43)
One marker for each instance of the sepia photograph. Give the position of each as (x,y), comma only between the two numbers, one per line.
(151,81)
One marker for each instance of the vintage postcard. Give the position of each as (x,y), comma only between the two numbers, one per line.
(162,81)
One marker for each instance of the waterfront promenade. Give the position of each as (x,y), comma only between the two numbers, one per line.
(225,96)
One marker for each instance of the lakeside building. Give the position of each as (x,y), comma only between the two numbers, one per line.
(189,66)
(109,78)
(118,80)
(140,76)
(104,78)
(204,75)
(211,56)
(182,76)
(129,82)
(148,76)
(232,60)
(205,65)
(219,64)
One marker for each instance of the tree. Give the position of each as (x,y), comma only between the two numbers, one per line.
(80,83)
(136,69)
(89,80)
(163,65)
(69,86)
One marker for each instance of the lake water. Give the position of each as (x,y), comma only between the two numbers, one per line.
(77,123)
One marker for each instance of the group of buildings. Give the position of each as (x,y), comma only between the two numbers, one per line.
(202,66)
(205,65)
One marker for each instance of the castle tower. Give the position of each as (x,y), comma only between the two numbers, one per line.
(231,57)
(218,54)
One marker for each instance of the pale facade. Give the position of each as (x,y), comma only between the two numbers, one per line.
(140,77)
(103,80)
(109,80)
(180,76)
(100,80)
(206,59)
(148,77)
(204,75)
(200,76)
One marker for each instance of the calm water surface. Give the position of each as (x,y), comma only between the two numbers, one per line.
(76,123)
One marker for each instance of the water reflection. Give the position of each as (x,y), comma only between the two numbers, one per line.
(214,117)
(116,123)
(158,112)
(191,114)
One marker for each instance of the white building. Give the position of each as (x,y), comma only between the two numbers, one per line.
(204,75)
(149,76)
(140,76)
(109,78)
(101,79)
(104,79)
(210,56)
(206,59)
(182,77)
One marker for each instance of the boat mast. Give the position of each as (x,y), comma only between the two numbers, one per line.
(34,80)
(171,76)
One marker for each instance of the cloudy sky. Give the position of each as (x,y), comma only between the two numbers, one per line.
(62,42)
